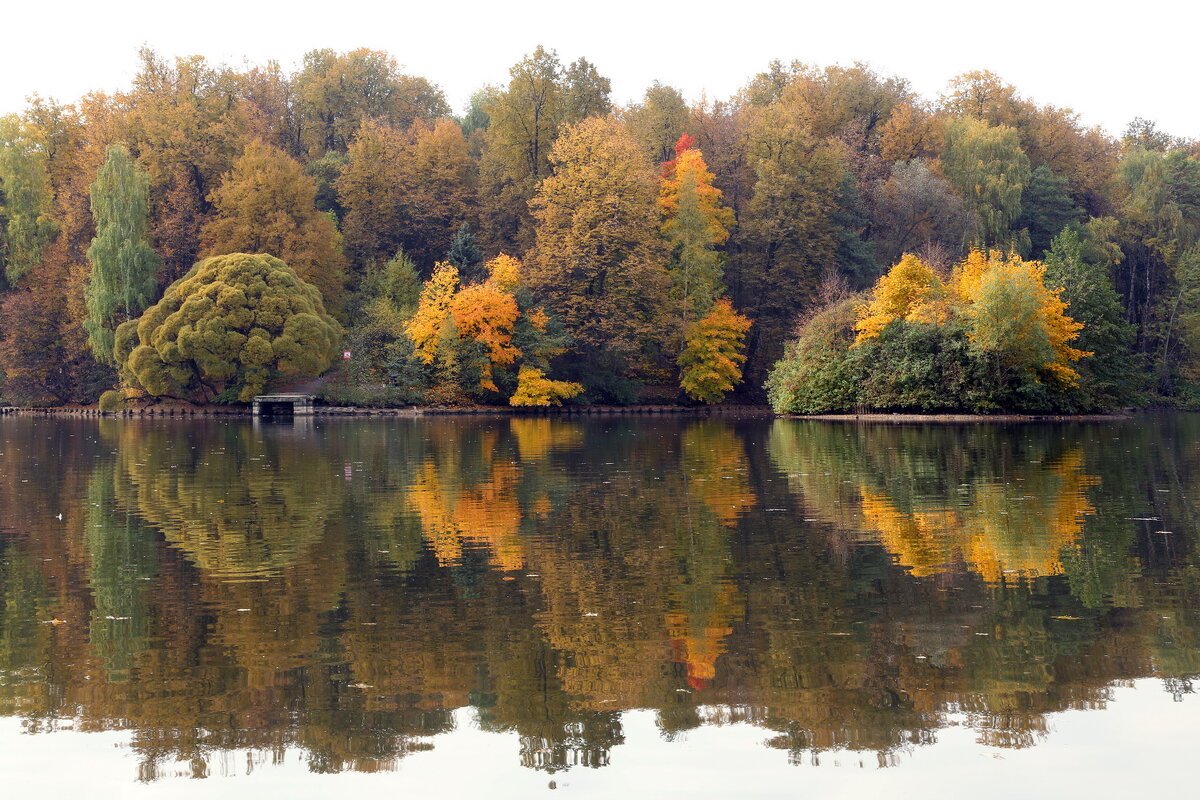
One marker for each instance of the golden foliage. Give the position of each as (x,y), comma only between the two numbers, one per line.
(1005,301)
(1014,314)
(689,168)
(433,308)
(718,469)
(485,313)
(535,389)
(908,291)
(504,272)
(711,363)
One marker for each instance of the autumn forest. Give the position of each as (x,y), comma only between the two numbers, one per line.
(826,239)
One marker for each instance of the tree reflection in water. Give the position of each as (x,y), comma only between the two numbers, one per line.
(343,590)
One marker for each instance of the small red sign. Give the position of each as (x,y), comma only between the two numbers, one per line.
(345,355)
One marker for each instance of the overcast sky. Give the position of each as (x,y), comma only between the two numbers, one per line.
(1137,59)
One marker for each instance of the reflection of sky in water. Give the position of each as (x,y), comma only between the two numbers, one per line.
(1143,742)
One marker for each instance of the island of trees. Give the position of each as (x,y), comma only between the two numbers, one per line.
(826,238)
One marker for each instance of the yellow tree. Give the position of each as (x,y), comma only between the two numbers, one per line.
(1015,318)
(711,363)
(487,314)
(910,290)
(599,262)
(266,205)
(535,389)
(433,309)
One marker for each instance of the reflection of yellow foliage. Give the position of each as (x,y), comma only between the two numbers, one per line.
(714,457)
(1018,528)
(537,436)
(919,539)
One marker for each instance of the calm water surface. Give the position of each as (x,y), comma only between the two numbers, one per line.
(507,607)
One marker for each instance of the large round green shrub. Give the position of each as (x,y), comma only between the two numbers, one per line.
(225,329)
(112,400)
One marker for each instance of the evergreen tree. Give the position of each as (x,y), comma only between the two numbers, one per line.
(466,256)
(124,266)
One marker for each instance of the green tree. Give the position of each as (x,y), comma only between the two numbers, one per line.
(585,92)
(383,369)
(1158,215)
(523,122)
(659,120)
(986,165)
(1109,378)
(1046,208)
(124,266)
(695,223)
(788,238)
(227,328)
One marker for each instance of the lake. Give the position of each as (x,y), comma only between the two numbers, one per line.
(659,606)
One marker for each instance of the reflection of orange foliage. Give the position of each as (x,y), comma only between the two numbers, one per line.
(697,640)
(487,514)
(1015,528)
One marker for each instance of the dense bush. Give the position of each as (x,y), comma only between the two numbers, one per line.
(993,338)
(816,373)
(226,329)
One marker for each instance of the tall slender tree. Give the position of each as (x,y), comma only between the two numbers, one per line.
(124,266)
(695,223)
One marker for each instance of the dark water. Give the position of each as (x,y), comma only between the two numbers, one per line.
(503,607)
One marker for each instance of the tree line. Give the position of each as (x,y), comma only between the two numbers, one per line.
(667,248)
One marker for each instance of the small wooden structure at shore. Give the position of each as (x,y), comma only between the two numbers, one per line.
(297,405)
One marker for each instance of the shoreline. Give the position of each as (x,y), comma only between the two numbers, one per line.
(900,419)
(180,411)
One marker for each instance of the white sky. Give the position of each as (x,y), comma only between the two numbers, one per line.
(1109,61)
